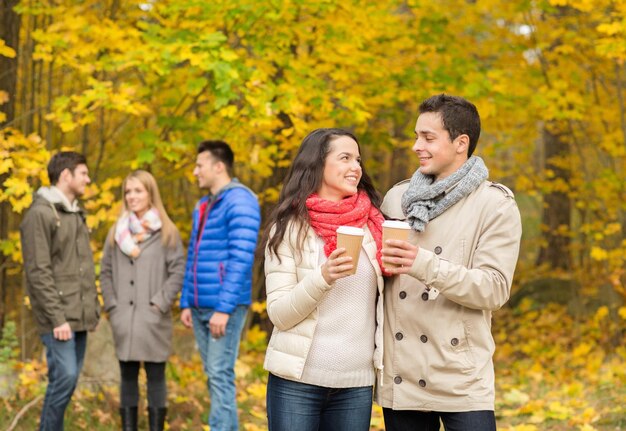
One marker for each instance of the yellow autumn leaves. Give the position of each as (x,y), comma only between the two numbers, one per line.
(559,372)
(554,372)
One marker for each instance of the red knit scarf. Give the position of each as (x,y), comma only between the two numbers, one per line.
(357,210)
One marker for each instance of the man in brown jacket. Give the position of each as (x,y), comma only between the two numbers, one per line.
(455,269)
(60,279)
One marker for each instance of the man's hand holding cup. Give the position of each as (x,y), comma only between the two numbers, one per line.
(398,253)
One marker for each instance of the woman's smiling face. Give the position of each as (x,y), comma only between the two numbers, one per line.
(137,197)
(342,170)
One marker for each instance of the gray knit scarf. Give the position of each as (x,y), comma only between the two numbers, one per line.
(425,199)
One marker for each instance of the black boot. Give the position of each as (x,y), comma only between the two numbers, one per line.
(129,418)
(156,418)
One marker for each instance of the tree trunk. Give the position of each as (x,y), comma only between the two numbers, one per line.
(556,207)
(9,32)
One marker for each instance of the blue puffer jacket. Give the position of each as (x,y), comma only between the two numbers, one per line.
(219,260)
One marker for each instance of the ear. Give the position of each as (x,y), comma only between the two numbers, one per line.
(220,166)
(462,142)
(65,176)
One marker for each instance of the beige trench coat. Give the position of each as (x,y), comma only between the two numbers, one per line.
(438,353)
(131,286)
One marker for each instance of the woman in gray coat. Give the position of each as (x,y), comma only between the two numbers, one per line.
(141,274)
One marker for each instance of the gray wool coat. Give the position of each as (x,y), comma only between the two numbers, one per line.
(132,287)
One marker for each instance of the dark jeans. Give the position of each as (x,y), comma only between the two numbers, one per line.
(298,406)
(411,420)
(129,387)
(65,360)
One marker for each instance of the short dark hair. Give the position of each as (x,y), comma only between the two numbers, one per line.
(459,117)
(220,151)
(62,161)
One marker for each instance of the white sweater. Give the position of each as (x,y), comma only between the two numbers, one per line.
(343,343)
(295,290)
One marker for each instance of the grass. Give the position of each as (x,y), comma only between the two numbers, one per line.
(553,372)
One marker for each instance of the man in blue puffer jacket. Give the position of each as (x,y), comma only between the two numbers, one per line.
(218,279)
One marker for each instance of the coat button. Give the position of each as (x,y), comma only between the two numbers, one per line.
(132,262)
(423,338)
(399,336)
(132,282)
(402,294)
(397,380)
(422,383)
(437,250)
(131,302)
(425,296)
(454,341)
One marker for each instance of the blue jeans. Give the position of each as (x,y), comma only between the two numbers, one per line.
(219,356)
(412,420)
(299,406)
(65,360)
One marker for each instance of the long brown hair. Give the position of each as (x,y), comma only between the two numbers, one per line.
(303,179)
(168,228)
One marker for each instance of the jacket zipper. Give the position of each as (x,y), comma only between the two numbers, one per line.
(222,273)
(201,227)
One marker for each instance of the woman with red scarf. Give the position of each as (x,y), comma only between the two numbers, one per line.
(326,347)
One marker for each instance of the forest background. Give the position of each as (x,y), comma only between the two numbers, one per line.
(137,84)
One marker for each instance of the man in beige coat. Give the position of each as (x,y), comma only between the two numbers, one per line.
(456,268)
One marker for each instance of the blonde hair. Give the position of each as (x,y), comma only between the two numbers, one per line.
(169,232)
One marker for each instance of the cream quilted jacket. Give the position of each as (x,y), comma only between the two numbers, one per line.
(295,286)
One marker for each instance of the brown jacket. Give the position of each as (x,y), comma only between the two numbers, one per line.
(131,286)
(438,353)
(58,264)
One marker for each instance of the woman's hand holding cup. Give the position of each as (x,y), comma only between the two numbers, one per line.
(337,266)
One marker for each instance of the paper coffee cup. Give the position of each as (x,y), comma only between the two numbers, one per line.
(351,239)
(394,229)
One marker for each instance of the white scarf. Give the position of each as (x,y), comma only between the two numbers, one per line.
(130,230)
